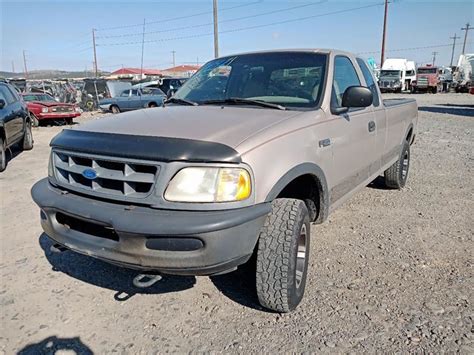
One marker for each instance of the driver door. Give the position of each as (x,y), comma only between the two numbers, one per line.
(353,135)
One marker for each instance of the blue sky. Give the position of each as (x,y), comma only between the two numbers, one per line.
(57,34)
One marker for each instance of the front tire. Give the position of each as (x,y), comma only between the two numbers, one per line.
(282,255)
(115,109)
(34,119)
(396,176)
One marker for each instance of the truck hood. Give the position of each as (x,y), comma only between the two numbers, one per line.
(226,125)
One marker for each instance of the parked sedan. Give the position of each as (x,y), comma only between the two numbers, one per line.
(44,107)
(133,99)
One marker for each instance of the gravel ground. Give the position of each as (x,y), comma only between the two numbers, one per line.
(391,271)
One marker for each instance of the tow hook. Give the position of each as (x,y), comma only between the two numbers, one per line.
(57,248)
(146,280)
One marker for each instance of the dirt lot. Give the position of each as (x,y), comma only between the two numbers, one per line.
(391,271)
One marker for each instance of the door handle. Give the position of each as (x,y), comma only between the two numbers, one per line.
(324,143)
(371,126)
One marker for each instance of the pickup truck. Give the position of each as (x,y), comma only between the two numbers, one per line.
(133,99)
(15,123)
(241,160)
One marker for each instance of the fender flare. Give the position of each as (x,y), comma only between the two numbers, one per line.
(300,170)
(410,127)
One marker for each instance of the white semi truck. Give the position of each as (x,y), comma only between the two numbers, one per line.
(396,75)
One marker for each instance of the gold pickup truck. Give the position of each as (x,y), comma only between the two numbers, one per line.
(238,163)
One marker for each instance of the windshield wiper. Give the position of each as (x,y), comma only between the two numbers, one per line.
(180,101)
(238,100)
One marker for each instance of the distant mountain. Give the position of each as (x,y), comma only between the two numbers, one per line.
(50,74)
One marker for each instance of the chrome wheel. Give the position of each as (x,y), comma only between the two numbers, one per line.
(301,256)
(405,162)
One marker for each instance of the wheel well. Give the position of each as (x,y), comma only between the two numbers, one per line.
(2,133)
(152,103)
(309,189)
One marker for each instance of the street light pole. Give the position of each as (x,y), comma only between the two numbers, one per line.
(95,52)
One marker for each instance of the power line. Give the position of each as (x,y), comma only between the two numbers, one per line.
(177,18)
(212,23)
(249,27)
(411,48)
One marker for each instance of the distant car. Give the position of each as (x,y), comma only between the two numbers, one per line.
(44,107)
(133,99)
(15,123)
(168,85)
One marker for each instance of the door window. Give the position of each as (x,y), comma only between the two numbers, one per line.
(125,93)
(7,95)
(369,80)
(345,76)
(134,92)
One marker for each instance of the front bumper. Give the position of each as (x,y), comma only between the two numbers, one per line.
(59,115)
(174,242)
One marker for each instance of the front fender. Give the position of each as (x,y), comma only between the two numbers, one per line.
(300,170)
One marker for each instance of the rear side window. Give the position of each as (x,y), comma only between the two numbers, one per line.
(345,76)
(369,79)
(7,94)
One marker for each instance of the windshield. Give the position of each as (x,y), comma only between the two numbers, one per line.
(391,73)
(288,79)
(38,97)
(426,70)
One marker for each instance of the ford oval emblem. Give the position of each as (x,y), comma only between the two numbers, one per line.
(89,174)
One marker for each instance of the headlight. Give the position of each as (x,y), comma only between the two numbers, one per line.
(77,109)
(209,185)
(50,165)
(44,109)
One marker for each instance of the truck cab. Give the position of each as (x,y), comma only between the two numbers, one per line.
(427,79)
(394,75)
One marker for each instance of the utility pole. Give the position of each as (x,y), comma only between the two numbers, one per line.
(143,49)
(95,52)
(434,57)
(467,28)
(382,56)
(174,58)
(454,46)
(216,32)
(24,63)
(13,66)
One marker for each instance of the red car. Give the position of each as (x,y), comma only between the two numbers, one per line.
(44,107)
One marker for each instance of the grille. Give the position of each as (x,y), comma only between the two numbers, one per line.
(110,177)
(423,82)
(62,109)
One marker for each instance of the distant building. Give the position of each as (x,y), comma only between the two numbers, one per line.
(134,73)
(181,71)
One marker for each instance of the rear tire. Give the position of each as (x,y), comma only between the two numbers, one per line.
(3,155)
(396,176)
(115,109)
(282,255)
(69,121)
(27,141)
(152,105)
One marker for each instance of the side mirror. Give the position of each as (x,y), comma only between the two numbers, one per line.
(355,96)
(2,103)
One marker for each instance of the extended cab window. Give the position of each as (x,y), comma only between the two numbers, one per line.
(345,76)
(369,79)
